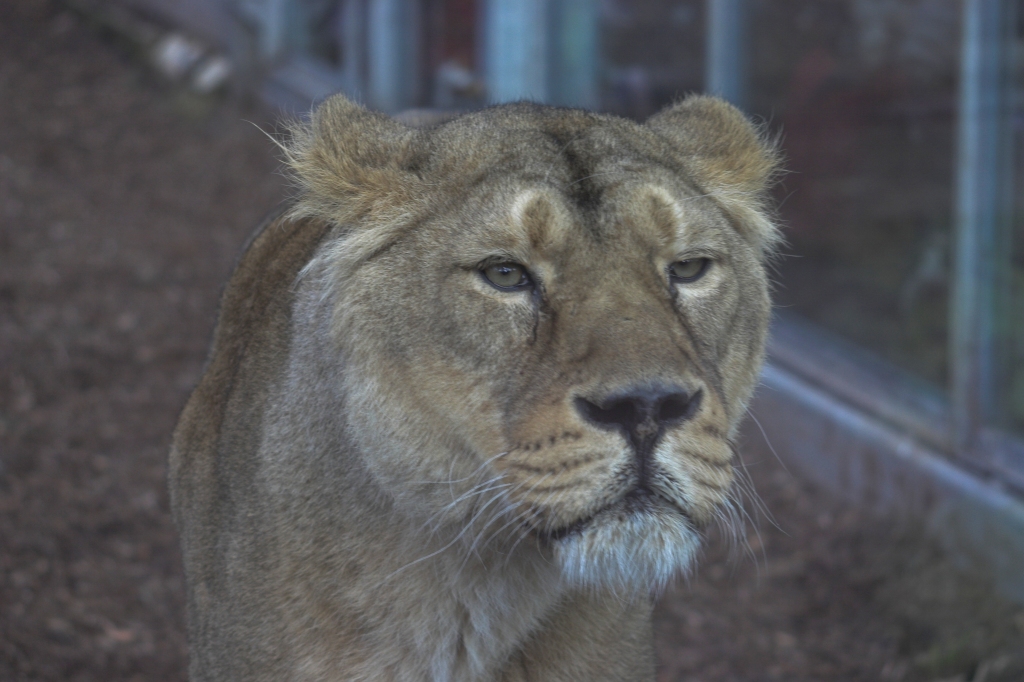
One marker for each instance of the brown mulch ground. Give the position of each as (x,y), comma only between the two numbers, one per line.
(123,203)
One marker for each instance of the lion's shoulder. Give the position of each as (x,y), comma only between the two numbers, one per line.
(255,309)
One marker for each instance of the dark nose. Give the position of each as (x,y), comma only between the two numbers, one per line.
(641,413)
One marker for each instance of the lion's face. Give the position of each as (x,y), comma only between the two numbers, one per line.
(560,347)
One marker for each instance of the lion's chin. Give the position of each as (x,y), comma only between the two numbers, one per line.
(628,548)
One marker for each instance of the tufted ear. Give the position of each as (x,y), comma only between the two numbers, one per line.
(352,164)
(728,157)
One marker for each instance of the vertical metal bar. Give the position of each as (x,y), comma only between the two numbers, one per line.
(1011,305)
(353,45)
(515,49)
(980,214)
(275,27)
(574,68)
(390,47)
(725,71)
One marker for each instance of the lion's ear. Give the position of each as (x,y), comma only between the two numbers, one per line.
(727,156)
(352,164)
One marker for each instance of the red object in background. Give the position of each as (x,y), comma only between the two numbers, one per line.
(453,28)
(826,117)
(459,34)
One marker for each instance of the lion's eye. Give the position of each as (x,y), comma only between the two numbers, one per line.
(688,270)
(506,275)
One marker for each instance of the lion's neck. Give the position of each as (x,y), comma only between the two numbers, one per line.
(468,613)
(372,590)
(418,602)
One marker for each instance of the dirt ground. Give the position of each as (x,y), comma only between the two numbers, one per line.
(123,203)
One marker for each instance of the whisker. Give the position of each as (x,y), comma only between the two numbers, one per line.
(476,544)
(451,468)
(744,477)
(450,480)
(592,175)
(514,508)
(454,540)
(551,496)
(737,521)
(769,443)
(479,489)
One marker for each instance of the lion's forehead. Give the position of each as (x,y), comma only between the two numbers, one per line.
(632,215)
(567,180)
(572,148)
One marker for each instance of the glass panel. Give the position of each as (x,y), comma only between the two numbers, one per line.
(317,30)
(1012,313)
(452,54)
(1013,391)
(863,95)
(652,54)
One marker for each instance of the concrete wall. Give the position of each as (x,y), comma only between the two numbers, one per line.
(861,459)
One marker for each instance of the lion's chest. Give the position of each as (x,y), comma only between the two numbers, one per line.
(415,631)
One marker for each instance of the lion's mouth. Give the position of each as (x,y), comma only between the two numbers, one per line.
(638,502)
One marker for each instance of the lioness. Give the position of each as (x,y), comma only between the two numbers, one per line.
(470,397)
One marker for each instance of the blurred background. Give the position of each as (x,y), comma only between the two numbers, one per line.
(888,446)
(868,98)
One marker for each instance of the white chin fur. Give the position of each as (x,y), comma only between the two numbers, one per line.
(634,553)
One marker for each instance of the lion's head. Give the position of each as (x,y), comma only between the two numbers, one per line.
(551,320)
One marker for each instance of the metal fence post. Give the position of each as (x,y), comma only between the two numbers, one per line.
(725,72)
(353,46)
(515,49)
(391,45)
(981,212)
(575,53)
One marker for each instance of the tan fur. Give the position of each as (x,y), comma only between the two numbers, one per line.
(386,473)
